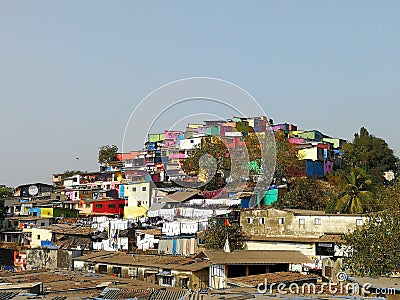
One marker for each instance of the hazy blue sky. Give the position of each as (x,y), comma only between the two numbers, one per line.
(71,72)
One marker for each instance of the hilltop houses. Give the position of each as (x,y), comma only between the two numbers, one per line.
(132,219)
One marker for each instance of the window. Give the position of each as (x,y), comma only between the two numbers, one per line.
(143,189)
(121,206)
(191,141)
(249,220)
(132,272)
(76,194)
(317,221)
(359,222)
(38,236)
(103,269)
(133,189)
(184,282)
(42,224)
(111,205)
(99,205)
(166,280)
(262,221)
(328,271)
(302,221)
(281,221)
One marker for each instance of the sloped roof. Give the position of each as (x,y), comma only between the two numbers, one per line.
(277,277)
(156,261)
(179,196)
(250,257)
(326,238)
(168,294)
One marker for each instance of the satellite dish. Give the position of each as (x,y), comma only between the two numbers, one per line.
(33,190)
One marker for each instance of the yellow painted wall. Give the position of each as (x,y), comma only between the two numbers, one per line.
(46,212)
(132,212)
(39,235)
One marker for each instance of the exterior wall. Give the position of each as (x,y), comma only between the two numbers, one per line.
(196,279)
(115,207)
(112,244)
(46,212)
(156,137)
(138,193)
(200,279)
(72,181)
(65,213)
(146,241)
(328,167)
(35,211)
(178,246)
(292,226)
(307,249)
(296,141)
(217,276)
(39,235)
(131,212)
(315,168)
(331,267)
(189,144)
(214,130)
(172,134)
(337,143)
(242,126)
(37,259)
(309,154)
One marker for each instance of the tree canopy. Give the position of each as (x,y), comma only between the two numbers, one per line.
(5,193)
(371,154)
(107,153)
(354,192)
(374,249)
(306,193)
(209,161)
(218,230)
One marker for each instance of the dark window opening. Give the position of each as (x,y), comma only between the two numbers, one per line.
(324,249)
(257,269)
(117,271)
(279,268)
(103,269)
(236,271)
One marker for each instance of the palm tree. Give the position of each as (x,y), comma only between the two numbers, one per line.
(355,192)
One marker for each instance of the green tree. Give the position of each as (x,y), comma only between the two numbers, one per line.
(306,193)
(107,153)
(371,154)
(288,162)
(355,194)
(374,249)
(217,232)
(5,193)
(388,197)
(69,173)
(210,159)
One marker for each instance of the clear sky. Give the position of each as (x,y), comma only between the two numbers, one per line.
(71,72)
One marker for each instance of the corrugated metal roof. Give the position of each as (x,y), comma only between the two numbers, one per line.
(168,295)
(7,295)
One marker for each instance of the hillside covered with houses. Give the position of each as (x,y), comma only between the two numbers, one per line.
(159,216)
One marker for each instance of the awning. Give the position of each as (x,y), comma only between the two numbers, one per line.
(165,273)
(151,271)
